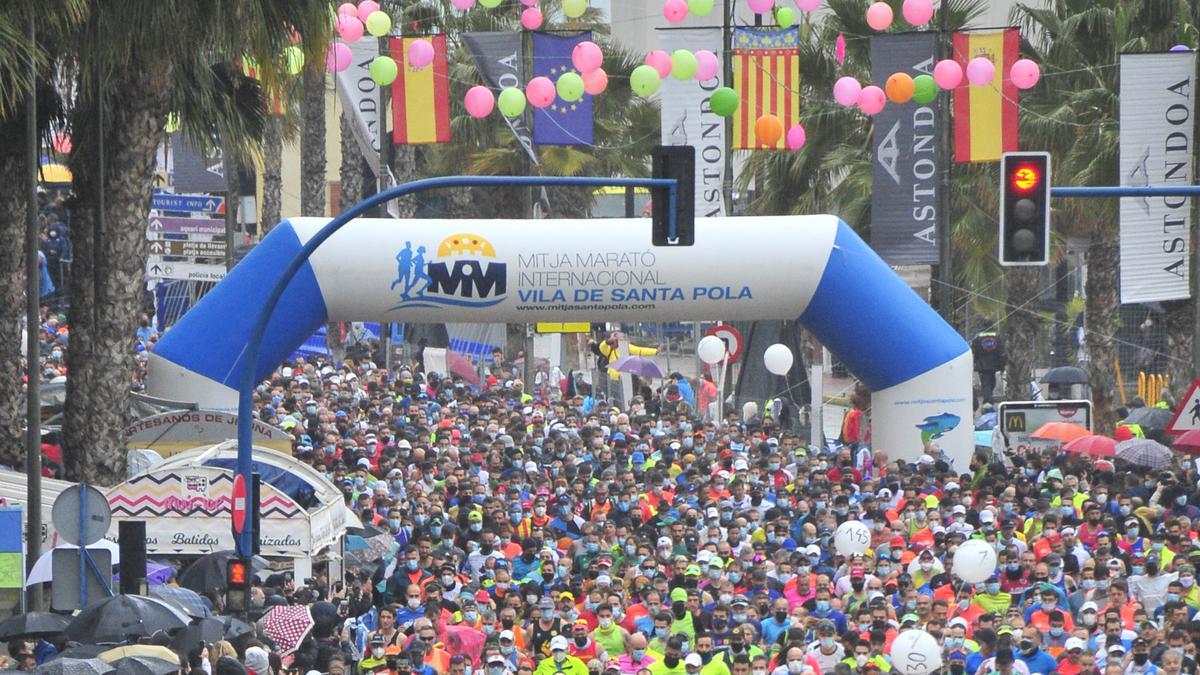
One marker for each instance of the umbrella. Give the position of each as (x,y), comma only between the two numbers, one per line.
(207,573)
(461,365)
(1189,442)
(1149,418)
(140,651)
(287,626)
(155,573)
(184,598)
(1060,431)
(33,624)
(43,569)
(1144,452)
(1097,446)
(120,617)
(636,365)
(144,665)
(69,666)
(80,652)
(1065,375)
(356,543)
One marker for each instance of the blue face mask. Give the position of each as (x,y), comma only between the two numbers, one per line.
(735,577)
(394,523)
(822,605)
(435,530)
(624,506)
(592,547)
(419,519)
(411,565)
(1139,569)
(993,588)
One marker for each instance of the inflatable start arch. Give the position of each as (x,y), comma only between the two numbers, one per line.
(814,267)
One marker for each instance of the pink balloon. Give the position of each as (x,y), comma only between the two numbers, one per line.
(706,65)
(871,100)
(660,61)
(839,49)
(529,3)
(348,9)
(879,16)
(1025,74)
(463,4)
(540,92)
(808,5)
(846,91)
(587,57)
(796,137)
(420,54)
(675,10)
(349,28)
(948,74)
(338,57)
(479,102)
(366,7)
(981,71)
(760,6)
(531,18)
(595,82)
(917,12)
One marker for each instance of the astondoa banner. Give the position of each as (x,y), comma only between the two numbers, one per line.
(688,119)
(1158,104)
(908,156)
(358,95)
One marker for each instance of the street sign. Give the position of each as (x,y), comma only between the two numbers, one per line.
(732,338)
(188,249)
(157,268)
(69,591)
(1017,420)
(239,504)
(1187,415)
(168,225)
(82,525)
(163,201)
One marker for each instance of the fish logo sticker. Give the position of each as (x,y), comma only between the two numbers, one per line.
(936,426)
(461,272)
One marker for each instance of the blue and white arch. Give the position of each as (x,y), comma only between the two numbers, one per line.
(813,267)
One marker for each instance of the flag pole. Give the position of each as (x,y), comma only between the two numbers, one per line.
(945,297)
(727,76)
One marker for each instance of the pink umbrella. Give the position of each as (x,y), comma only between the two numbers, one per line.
(461,365)
(287,626)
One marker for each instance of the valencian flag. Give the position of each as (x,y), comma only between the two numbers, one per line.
(420,97)
(985,118)
(766,77)
(561,123)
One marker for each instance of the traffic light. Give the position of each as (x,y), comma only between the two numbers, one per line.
(1025,209)
(678,162)
(237,585)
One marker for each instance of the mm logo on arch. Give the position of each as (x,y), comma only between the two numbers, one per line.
(460,272)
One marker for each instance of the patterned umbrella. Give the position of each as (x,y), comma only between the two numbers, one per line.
(1144,452)
(1097,446)
(69,666)
(184,598)
(287,626)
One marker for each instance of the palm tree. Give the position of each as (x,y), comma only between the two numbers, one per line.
(312,143)
(350,174)
(272,178)
(134,63)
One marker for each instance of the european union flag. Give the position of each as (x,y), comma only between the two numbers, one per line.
(562,123)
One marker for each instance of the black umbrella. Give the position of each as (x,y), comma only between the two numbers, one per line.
(207,573)
(33,624)
(82,652)
(209,630)
(1065,375)
(1150,418)
(69,666)
(121,617)
(144,665)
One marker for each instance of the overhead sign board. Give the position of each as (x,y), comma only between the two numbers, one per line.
(163,201)
(169,225)
(1187,415)
(157,268)
(1017,420)
(188,249)
(173,432)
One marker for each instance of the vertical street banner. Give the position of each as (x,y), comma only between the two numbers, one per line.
(908,156)
(688,119)
(501,63)
(1158,107)
(359,95)
(985,118)
(563,122)
(420,96)
(766,77)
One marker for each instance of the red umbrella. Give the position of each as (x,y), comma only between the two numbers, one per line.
(1060,431)
(1097,446)
(1189,442)
(461,365)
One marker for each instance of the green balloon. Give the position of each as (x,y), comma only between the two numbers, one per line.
(724,102)
(785,17)
(383,70)
(511,102)
(490,4)
(379,24)
(294,57)
(926,89)
(570,87)
(700,7)
(683,64)
(572,8)
(644,80)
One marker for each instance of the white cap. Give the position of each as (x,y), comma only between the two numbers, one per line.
(557,643)
(665,542)
(987,517)
(950,485)
(812,549)
(1089,605)
(740,464)
(958,508)
(693,659)
(1074,643)
(507,635)
(957,621)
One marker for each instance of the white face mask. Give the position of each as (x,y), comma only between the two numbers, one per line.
(377,652)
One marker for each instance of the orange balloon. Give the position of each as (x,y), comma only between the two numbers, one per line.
(900,88)
(768,130)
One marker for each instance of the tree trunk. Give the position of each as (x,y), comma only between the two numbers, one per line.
(312,145)
(1021,331)
(404,168)
(1100,327)
(351,172)
(1180,318)
(272,172)
(108,287)
(12,288)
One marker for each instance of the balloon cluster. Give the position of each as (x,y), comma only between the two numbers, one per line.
(587,78)
(677,10)
(916,13)
(352,23)
(947,74)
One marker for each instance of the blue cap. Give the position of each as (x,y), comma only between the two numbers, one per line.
(618,437)
(638,458)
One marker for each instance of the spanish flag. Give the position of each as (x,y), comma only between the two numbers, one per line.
(766,77)
(420,97)
(985,118)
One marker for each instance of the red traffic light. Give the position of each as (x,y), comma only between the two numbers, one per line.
(237,573)
(1025,177)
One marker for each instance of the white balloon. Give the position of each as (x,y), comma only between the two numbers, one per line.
(915,652)
(778,359)
(974,561)
(711,349)
(852,537)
